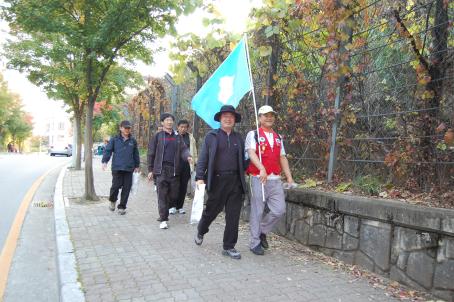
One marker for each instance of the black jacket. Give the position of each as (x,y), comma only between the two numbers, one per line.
(205,163)
(125,153)
(156,153)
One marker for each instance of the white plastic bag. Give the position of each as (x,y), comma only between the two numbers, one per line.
(197,203)
(135,183)
(287,185)
(193,184)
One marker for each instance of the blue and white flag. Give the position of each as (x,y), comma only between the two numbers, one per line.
(226,86)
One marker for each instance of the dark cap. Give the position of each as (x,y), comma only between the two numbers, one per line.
(228,108)
(125,124)
(166,115)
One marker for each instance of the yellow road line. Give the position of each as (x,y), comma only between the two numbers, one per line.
(11,241)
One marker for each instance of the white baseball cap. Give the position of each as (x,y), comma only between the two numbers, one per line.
(266,109)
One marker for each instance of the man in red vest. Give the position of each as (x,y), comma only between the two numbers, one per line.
(266,172)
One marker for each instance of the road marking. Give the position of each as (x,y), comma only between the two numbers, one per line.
(9,248)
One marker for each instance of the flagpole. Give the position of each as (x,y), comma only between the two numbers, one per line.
(255,107)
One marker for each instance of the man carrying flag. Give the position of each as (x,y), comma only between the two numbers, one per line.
(221,165)
(221,162)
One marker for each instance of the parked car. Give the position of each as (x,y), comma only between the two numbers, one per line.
(61,150)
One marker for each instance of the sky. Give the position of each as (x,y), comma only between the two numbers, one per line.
(41,108)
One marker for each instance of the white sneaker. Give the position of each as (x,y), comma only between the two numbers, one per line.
(163,225)
(172,210)
(181,211)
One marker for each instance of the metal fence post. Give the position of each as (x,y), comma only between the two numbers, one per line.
(173,93)
(333,147)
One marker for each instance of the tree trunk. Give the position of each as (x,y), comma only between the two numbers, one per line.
(90,193)
(272,70)
(78,117)
(437,71)
(196,127)
(343,59)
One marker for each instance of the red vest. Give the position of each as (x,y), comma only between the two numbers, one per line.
(270,156)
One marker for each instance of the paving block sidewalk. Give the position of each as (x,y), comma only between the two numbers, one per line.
(128,258)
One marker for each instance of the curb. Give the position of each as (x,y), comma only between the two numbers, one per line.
(70,288)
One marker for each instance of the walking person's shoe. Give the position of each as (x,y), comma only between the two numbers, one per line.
(232,253)
(172,210)
(121,211)
(198,239)
(181,211)
(112,206)
(258,250)
(264,242)
(163,225)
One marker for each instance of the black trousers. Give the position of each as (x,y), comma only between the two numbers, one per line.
(167,188)
(121,180)
(185,176)
(226,192)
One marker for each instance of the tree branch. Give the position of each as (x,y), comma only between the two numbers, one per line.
(427,26)
(406,33)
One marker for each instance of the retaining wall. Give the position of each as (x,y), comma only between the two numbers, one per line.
(410,244)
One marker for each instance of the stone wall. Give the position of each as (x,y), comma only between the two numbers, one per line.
(410,244)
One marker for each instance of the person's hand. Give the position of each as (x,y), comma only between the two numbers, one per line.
(199,182)
(190,160)
(104,166)
(150,176)
(290,184)
(263,175)
(137,170)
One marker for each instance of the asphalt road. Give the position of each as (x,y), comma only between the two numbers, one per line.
(17,174)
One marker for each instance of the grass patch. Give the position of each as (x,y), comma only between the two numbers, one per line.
(368,184)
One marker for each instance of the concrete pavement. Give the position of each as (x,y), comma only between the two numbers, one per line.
(128,258)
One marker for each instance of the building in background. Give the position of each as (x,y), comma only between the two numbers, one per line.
(59,130)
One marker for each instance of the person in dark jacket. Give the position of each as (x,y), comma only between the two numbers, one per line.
(125,161)
(185,167)
(165,150)
(221,166)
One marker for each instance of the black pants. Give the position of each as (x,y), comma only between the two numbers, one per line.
(185,176)
(226,191)
(121,180)
(167,186)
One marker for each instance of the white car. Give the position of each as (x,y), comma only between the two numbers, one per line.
(61,150)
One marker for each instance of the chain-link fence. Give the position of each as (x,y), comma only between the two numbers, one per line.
(378,102)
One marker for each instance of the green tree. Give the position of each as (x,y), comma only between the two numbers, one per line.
(104,32)
(52,64)
(14,122)
(19,124)
(5,100)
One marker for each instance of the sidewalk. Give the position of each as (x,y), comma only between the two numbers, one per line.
(128,258)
